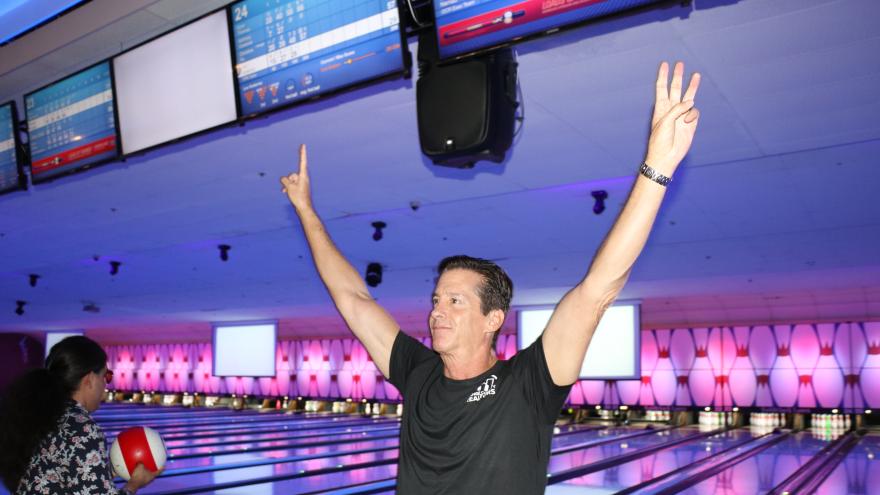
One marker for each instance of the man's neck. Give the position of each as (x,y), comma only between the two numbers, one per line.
(457,367)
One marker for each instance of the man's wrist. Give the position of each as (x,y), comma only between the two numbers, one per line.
(305,210)
(650,173)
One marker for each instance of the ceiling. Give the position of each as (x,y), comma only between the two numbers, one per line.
(772,217)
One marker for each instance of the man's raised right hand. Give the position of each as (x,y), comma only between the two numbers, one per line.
(296,185)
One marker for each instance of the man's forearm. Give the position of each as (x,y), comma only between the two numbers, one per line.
(618,252)
(336,272)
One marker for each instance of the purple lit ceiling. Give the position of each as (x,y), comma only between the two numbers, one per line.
(773,216)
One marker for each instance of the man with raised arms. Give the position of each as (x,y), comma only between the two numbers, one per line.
(472,423)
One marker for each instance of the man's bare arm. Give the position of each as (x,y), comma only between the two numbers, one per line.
(369,322)
(575,319)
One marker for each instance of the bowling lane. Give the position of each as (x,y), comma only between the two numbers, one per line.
(561,449)
(763,471)
(201,456)
(279,434)
(252,467)
(232,424)
(627,441)
(653,465)
(200,450)
(181,417)
(280,426)
(256,470)
(355,481)
(105,411)
(858,472)
(381,475)
(246,418)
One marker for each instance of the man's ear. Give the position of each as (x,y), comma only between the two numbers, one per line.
(496,318)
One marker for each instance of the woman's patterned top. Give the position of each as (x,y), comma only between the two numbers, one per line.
(72,460)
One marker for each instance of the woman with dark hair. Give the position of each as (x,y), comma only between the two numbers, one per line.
(50,443)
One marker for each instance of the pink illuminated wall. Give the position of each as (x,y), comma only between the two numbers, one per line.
(312,368)
(806,366)
(803,366)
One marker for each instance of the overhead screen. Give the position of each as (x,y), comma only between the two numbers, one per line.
(176,85)
(53,338)
(9,163)
(71,123)
(614,349)
(244,349)
(465,26)
(19,16)
(292,50)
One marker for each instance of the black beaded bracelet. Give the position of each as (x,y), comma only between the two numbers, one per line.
(654,175)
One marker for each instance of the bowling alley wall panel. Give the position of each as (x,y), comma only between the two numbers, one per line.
(803,366)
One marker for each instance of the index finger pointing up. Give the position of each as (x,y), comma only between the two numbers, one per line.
(303,160)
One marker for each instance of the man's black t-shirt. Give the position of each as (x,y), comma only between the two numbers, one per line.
(488,435)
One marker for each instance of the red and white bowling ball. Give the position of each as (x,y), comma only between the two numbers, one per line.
(138,445)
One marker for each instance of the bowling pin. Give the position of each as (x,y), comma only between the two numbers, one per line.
(701,379)
(762,354)
(805,353)
(828,380)
(851,350)
(783,376)
(742,381)
(722,353)
(663,380)
(681,352)
(649,357)
(869,373)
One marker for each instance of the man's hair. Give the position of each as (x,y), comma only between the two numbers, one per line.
(495,292)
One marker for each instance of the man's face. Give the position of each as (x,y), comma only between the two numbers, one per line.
(456,320)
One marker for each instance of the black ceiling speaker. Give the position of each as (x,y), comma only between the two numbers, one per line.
(374,274)
(466,109)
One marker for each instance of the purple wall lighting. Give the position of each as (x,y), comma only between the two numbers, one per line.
(310,368)
(803,366)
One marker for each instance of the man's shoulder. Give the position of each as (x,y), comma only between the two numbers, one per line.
(527,356)
(411,346)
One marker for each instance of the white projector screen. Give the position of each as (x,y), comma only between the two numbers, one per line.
(53,338)
(246,349)
(613,353)
(175,85)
